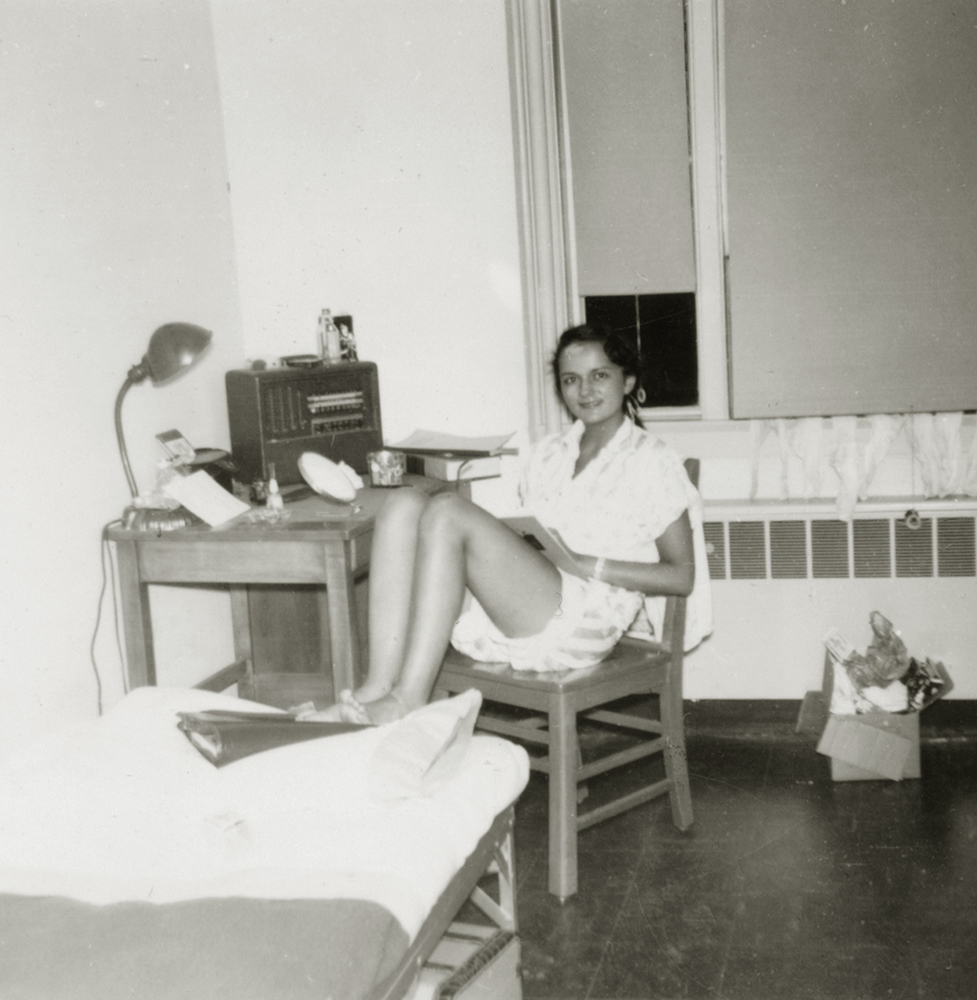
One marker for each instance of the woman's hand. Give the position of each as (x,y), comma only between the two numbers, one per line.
(586,565)
(674,573)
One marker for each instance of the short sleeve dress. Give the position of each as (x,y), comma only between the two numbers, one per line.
(617,507)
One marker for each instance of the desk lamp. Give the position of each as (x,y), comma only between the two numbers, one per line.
(173,348)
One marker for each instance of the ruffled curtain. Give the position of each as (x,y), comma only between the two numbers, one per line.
(942,465)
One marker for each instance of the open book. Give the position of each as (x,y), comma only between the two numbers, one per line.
(551,545)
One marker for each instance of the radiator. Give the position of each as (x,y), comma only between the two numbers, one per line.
(783,573)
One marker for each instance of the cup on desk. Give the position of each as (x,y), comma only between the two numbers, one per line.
(387,467)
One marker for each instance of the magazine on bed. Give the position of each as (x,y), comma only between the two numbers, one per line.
(540,537)
(226,736)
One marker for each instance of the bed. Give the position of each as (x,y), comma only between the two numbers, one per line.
(132,866)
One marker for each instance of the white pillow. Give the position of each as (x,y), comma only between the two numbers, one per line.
(421,751)
(410,757)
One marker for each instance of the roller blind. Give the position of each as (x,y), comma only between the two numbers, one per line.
(851,142)
(627,118)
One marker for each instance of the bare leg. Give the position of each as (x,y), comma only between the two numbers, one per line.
(459,545)
(392,558)
(393,554)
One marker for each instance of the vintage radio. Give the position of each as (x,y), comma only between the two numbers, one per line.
(277,414)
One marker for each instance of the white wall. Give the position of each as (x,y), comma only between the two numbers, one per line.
(768,637)
(370,156)
(114,219)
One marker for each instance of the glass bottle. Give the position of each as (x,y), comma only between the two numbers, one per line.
(330,347)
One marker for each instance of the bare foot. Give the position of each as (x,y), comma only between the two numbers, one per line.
(312,714)
(389,708)
(307,712)
(367,692)
(347,709)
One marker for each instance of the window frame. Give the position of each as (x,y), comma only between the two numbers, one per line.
(543,181)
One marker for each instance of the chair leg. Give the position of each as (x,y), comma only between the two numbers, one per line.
(676,761)
(562,800)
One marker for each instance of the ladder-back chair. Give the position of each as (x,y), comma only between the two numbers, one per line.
(635,667)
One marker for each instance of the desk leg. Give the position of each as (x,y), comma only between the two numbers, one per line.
(241,624)
(136,618)
(338,603)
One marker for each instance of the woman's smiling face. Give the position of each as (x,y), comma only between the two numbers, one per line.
(593,387)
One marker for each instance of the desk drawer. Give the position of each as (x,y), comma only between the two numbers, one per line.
(281,561)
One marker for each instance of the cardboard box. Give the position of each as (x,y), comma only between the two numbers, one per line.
(872,746)
(876,746)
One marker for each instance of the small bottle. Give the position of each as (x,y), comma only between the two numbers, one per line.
(274,500)
(330,346)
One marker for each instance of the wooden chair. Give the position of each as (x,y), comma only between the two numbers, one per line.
(635,667)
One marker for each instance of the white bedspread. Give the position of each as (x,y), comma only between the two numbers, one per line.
(125,808)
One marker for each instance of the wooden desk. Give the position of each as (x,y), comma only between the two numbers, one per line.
(320,543)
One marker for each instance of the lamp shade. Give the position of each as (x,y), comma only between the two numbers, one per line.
(173,348)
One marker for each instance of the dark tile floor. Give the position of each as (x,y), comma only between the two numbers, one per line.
(787,886)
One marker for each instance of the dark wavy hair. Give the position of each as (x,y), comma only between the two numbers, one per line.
(619,350)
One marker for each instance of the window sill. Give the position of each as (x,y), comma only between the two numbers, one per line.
(656,414)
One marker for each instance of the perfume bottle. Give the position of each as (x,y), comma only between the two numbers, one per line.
(274,500)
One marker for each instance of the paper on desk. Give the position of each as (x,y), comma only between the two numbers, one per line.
(204,497)
(435,441)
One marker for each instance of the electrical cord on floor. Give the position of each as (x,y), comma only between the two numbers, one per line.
(104,552)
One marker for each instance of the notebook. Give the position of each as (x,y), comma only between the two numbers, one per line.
(541,538)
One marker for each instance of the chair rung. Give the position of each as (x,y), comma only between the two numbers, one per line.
(516,730)
(618,759)
(622,804)
(224,678)
(628,721)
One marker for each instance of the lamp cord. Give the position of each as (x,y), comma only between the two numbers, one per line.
(121,437)
(105,552)
(103,546)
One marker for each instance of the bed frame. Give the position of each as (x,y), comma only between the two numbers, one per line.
(492,856)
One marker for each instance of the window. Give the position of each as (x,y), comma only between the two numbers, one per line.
(662,328)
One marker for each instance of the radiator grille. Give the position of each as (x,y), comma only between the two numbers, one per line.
(788,550)
(872,548)
(955,546)
(829,549)
(824,548)
(914,549)
(747,550)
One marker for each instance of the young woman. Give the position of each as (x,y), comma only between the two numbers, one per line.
(617,496)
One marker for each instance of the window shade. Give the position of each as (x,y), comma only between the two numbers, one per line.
(627,114)
(851,143)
